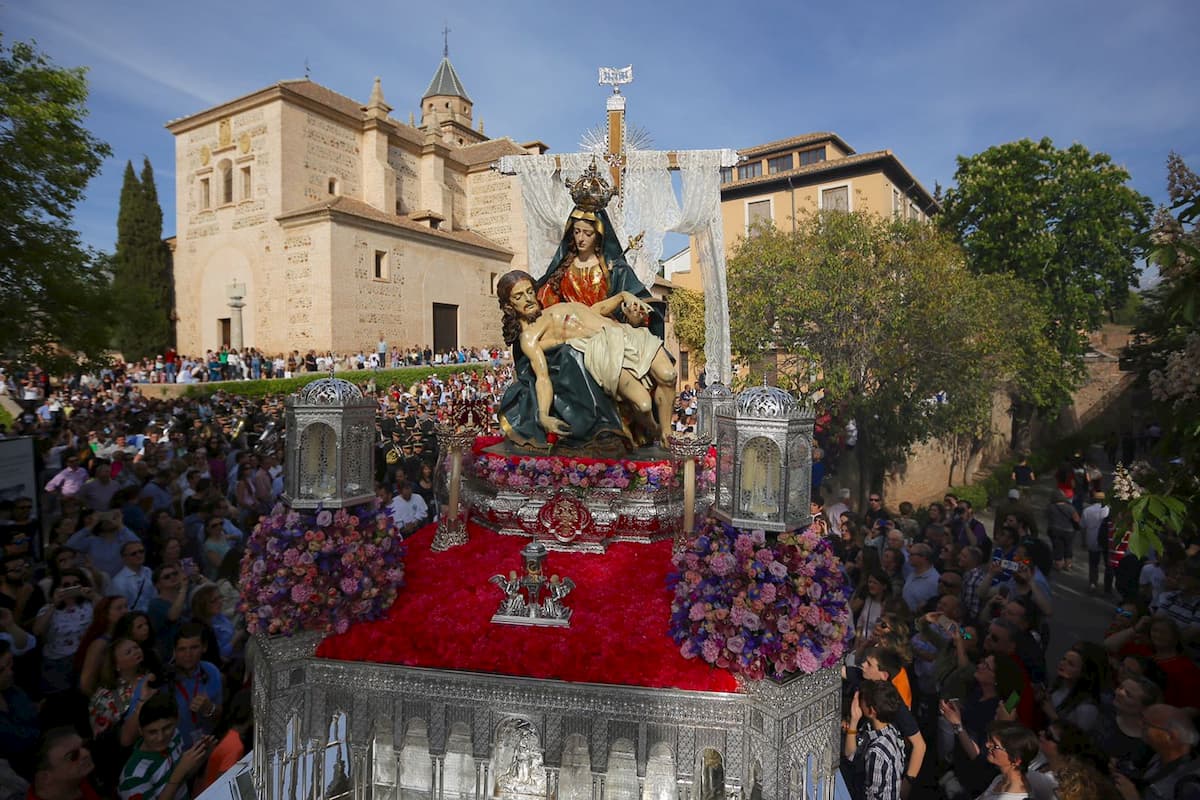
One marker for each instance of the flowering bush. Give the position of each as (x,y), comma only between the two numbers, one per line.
(320,571)
(760,609)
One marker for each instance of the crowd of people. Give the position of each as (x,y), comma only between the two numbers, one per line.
(123,668)
(949,693)
(229,364)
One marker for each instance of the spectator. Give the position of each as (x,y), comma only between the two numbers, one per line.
(207,610)
(1123,736)
(98,491)
(90,656)
(869,601)
(235,738)
(922,583)
(1011,748)
(70,480)
(1094,521)
(1076,693)
(102,544)
(134,581)
(876,751)
(1062,520)
(408,510)
(62,766)
(160,765)
(167,609)
(197,684)
(1172,735)
(60,625)
(18,715)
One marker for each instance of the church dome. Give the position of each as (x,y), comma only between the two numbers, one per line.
(766,402)
(330,392)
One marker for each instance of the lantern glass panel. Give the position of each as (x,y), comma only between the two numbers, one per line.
(798,481)
(759,488)
(352,461)
(318,458)
(725,468)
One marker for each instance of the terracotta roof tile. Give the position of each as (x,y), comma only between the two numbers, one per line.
(796,141)
(325,96)
(828,166)
(487,152)
(357,208)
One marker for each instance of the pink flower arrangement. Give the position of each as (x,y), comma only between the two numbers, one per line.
(759,609)
(320,571)
(564,472)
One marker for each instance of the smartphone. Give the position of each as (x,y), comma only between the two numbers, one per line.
(1014,700)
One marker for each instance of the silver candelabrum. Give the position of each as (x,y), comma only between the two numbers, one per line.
(533,599)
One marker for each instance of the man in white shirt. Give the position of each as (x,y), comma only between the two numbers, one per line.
(134,581)
(835,511)
(408,510)
(1092,521)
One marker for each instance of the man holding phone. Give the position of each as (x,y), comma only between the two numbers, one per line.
(160,766)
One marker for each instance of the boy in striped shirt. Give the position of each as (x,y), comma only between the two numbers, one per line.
(159,767)
(877,751)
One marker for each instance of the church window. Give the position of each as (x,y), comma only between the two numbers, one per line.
(225,169)
(779,164)
(333,186)
(752,169)
(447,105)
(495,276)
(247,187)
(205,194)
(381,265)
(814,156)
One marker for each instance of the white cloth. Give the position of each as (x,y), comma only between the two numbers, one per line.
(614,348)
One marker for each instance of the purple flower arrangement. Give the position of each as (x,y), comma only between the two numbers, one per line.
(320,571)
(555,473)
(760,609)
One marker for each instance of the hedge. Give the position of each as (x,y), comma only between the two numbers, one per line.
(406,376)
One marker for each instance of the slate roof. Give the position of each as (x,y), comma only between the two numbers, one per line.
(446,83)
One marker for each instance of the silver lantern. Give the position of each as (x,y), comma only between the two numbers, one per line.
(329,461)
(764,460)
(711,401)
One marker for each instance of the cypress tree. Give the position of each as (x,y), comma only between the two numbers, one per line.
(141,280)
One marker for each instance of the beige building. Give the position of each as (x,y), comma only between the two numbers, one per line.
(329,222)
(781,181)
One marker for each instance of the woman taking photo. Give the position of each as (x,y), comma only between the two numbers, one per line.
(60,626)
(1082,674)
(963,729)
(869,602)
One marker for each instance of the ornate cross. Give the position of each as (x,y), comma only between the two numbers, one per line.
(615,155)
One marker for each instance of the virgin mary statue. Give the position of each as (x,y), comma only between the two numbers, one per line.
(588,266)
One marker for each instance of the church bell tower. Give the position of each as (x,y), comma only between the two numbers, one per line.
(447,108)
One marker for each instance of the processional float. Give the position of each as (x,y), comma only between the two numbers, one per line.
(452,717)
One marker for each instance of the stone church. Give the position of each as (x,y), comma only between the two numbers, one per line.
(308,220)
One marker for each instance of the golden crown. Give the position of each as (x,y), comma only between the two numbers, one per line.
(590,191)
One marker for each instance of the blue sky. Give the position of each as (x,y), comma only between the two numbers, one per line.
(928,80)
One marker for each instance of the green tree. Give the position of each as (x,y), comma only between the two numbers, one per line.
(142,276)
(890,314)
(1166,498)
(687,311)
(53,290)
(1065,222)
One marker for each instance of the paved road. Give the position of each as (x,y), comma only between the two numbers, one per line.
(1078,615)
